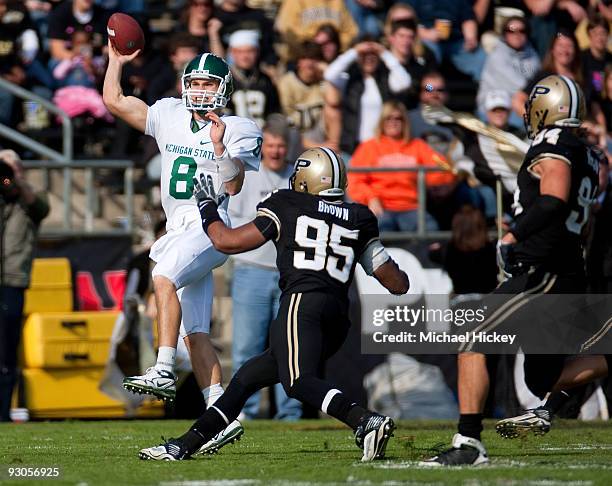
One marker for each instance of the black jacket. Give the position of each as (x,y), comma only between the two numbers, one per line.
(351,103)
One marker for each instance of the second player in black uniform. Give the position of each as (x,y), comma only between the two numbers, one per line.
(541,254)
(319,240)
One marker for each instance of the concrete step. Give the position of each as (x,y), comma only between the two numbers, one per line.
(109,210)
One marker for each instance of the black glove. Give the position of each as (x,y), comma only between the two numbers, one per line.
(506,259)
(207,200)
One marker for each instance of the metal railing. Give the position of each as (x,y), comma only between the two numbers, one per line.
(421,233)
(64,157)
(89,167)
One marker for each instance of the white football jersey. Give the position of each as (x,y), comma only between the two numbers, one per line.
(187,151)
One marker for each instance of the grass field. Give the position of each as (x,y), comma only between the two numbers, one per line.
(302,454)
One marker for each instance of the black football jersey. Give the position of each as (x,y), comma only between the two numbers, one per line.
(317,242)
(559,245)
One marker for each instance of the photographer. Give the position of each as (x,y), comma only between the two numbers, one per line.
(21,212)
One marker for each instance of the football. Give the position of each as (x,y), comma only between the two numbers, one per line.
(125,33)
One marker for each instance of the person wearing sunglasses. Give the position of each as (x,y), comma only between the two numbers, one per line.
(509,66)
(393,196)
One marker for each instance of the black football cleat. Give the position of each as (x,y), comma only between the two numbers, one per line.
(465,451)
(372,434)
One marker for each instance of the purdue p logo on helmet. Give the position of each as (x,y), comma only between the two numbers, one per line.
(207,66)
(319,171)
(555,100)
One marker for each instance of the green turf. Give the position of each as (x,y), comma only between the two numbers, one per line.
(303,453)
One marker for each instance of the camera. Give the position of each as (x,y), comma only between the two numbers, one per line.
(9,191)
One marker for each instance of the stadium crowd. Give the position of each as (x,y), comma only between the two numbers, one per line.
(323,65)
(371,79)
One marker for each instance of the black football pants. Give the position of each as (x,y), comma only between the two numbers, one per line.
(308,330)
(519,312)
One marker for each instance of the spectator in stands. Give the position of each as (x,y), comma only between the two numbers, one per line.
(18,46)
(77,79)
(328,39)
(301,95)
(235,15)
(22,211)
(269,7)
(469,256)
(403,11)
(359,82)
(486,163)
(403,42)
(368,15)
(298,21)
(182,48)
(84,69)
(255,95)
(563,58)
(549,17)
(393,197)
(604,9)
(606,99)
(73,15)
(197,20)
(449,29)
(39,13)
(443,200)
(399,11)
(594,61)
(255,291)
(432,92)
(510,65)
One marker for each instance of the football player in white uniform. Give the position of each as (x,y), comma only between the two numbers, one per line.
(193,139)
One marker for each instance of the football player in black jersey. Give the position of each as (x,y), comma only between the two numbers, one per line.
(542,252)
(319,239)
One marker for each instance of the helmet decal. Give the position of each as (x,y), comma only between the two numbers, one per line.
(319,171)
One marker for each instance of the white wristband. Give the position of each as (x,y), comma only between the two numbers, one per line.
(373,257)
(228,170)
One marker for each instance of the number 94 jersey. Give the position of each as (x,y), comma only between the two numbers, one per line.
(187,151)
(559,245)
(317,242)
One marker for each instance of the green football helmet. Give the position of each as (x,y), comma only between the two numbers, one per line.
(207,66)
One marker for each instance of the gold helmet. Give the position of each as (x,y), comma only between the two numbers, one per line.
(554,100)
(319,171)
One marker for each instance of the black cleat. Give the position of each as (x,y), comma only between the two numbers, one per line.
(372,435)
(466,451)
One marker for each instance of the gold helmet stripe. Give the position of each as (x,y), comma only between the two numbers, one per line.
(335,166)
(573,96)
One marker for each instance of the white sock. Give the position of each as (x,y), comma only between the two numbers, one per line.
(166,356)
(212,394)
